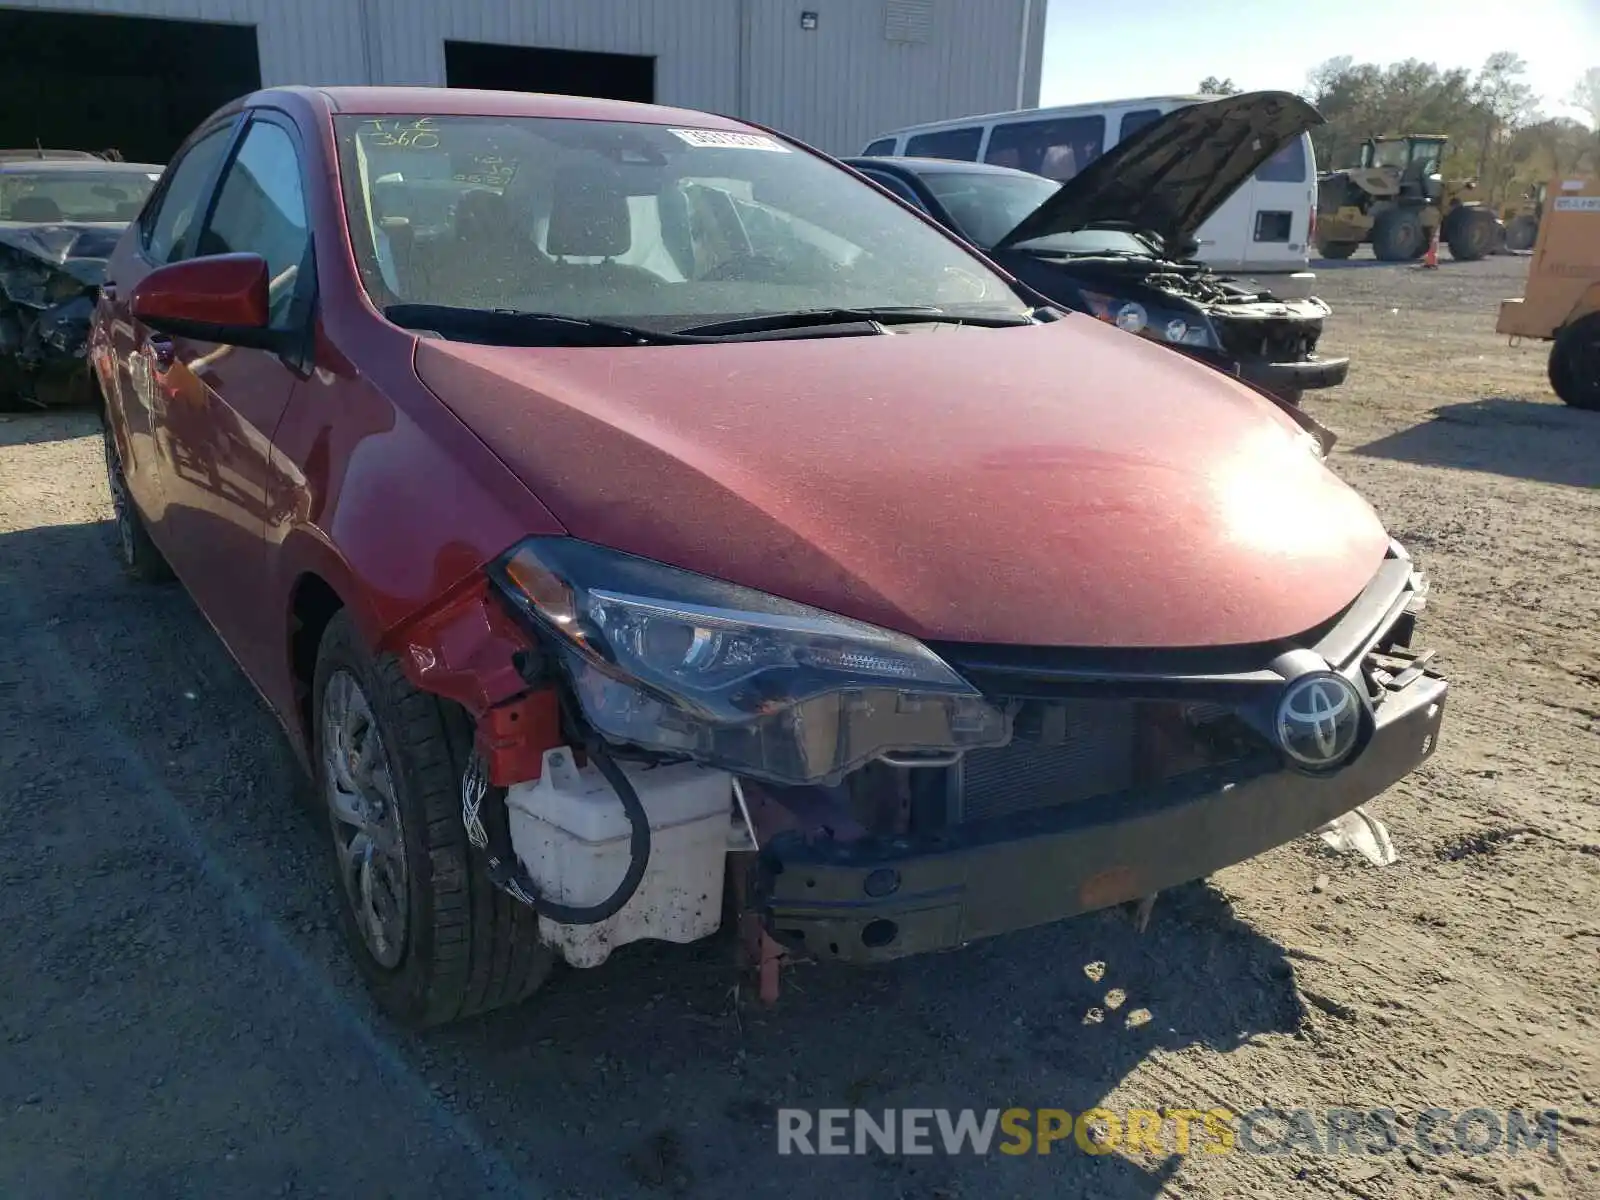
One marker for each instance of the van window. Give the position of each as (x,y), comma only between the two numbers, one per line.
(879,148)
(1134,121)
(1287,165)
(946,143)
(1056,149)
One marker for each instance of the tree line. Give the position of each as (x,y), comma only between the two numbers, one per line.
(1498,133)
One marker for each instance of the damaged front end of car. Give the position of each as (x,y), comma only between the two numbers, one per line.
(50,276)
(1245,331)
(873,796)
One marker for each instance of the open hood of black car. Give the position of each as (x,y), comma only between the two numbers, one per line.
(1170,176)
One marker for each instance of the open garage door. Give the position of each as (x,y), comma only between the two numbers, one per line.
(81,81)
(536,69)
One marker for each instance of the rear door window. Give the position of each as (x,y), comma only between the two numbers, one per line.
(1134,121)
(1057,149)
(879,149)
(1288,165)
(947,143)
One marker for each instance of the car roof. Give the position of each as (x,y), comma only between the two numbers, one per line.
(473,102)
(943,166)
(68,166)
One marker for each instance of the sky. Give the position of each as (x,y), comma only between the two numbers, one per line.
(1106,49)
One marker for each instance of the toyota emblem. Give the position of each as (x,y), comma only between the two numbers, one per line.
(1319,719)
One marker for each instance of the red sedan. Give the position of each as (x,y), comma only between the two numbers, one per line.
(620,505)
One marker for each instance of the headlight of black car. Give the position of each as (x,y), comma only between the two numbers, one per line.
(1151,321)
(682,663)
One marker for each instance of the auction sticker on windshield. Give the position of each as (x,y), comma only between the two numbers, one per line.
(721,139)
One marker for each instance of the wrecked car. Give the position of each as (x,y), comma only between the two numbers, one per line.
(1117,240)
(686,532)
(60,216)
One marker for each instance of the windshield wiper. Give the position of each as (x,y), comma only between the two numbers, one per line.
(906,314)
(515,327)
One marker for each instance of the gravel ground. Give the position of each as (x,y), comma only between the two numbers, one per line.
(179,1018)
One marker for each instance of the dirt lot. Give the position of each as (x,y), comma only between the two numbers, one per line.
(179,1018)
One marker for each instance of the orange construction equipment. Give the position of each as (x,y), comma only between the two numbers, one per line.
(1561,303)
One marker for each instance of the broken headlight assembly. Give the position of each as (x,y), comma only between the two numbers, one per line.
(684,664)
(1157,324)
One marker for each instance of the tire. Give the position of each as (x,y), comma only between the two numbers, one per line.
(434,940)
(1522,233)
(1472,235)
(137,553)
(1575,363)
(1337,249)
(1399,236)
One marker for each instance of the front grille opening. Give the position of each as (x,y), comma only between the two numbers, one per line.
(1074,751)
(1274,341)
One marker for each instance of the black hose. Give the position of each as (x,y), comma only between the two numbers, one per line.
(508,873)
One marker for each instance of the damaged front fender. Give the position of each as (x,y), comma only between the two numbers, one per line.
(50,276)
(466,649)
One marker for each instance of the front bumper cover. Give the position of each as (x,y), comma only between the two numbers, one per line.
(1279,378)
(887,897)
(1296,376)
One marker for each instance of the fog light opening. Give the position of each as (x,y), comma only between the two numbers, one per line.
(878,934)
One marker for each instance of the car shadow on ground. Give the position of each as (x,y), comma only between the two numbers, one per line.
(1530,439)
(658,1073)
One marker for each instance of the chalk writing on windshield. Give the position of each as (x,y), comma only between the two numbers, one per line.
(401,134)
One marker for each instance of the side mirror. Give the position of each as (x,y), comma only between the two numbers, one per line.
(222,298)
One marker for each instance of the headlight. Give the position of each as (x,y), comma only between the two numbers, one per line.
(1157,324)
(685,664)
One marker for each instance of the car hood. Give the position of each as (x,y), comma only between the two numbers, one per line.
(1170,176)
(79,248)
(1062,484)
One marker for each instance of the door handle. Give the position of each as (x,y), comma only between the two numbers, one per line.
(162,351)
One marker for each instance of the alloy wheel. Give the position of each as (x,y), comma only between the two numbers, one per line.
(365,815)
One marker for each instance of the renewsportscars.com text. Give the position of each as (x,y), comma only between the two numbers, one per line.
(1017,1131)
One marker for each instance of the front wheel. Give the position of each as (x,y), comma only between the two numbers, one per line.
(1399,236)
(433,938)
(1575,363)
(1337,249)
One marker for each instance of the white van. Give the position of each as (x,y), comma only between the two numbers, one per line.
(1266,226)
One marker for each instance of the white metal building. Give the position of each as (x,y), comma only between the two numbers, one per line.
(100,73)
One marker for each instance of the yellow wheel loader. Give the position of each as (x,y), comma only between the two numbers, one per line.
(1396,199)
(1561,303)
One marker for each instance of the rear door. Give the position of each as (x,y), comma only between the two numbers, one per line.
(166,232)
(1283,195)
(220,405)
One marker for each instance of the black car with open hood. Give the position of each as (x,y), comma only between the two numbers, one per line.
(1117,240)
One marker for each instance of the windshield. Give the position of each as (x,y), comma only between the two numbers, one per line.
(657,227)
(1090,241)
(987,206)
(45,196)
